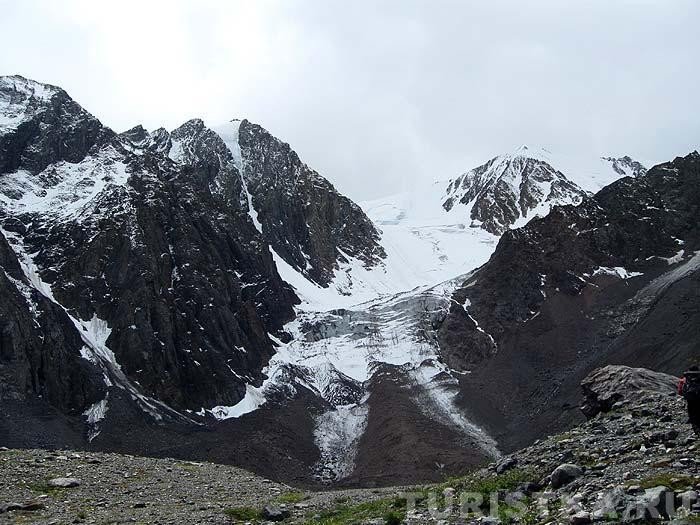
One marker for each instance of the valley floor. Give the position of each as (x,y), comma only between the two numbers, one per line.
(118,488)
(642,457)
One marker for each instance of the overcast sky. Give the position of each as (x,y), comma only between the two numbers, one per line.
(378,94)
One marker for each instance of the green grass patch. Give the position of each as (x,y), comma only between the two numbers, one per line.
(243,514)
(291,497)
(669,480)
(391,511)
(487,485)
(45,488)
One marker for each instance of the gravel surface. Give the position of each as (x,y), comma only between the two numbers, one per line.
(126,489)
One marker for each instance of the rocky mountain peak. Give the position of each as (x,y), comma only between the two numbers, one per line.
(18,93)
(311,226)
(510,189)
(40,124)
(626,166)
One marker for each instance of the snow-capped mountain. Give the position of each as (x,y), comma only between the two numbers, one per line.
(147,250)
(612,280)
(206,290)
(507,191)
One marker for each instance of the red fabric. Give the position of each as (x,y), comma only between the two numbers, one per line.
(681,383)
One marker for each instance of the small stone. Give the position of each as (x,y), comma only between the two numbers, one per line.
(64,483)
(29,506)
(580,518)
(139,505)
(274,513)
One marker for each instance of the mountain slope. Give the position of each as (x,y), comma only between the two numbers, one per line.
(306,221)
(610,280)
(145,248)
(204,288)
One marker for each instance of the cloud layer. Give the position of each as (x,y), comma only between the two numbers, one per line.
(379,94)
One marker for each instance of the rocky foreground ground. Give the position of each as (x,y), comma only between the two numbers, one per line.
(635,461)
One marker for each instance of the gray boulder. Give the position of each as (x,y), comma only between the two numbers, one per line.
(505,465)
(606,386)
(565,474)
(687,499)
(580,518)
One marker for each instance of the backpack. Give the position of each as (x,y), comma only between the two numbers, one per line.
(691,386)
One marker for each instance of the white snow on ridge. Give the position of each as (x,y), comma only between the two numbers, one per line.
(253,399)
(229,134)
(20,100)
(589,172)
(617,271)
(64,191)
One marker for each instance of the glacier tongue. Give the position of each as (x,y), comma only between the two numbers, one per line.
(335,353)
(337,435)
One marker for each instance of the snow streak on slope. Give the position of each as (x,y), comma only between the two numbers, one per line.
(94,334)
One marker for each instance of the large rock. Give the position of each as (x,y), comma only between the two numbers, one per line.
(654,503)
(565,474)
(606,386)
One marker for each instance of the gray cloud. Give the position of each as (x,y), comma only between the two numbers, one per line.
(378,94)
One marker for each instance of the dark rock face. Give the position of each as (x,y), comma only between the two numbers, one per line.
(614,383)
(305,220)
(161,253)
(139,287)
(608,281)
(50,127)
(508,188)
(39,346)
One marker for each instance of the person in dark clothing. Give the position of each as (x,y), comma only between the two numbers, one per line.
(689,388)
